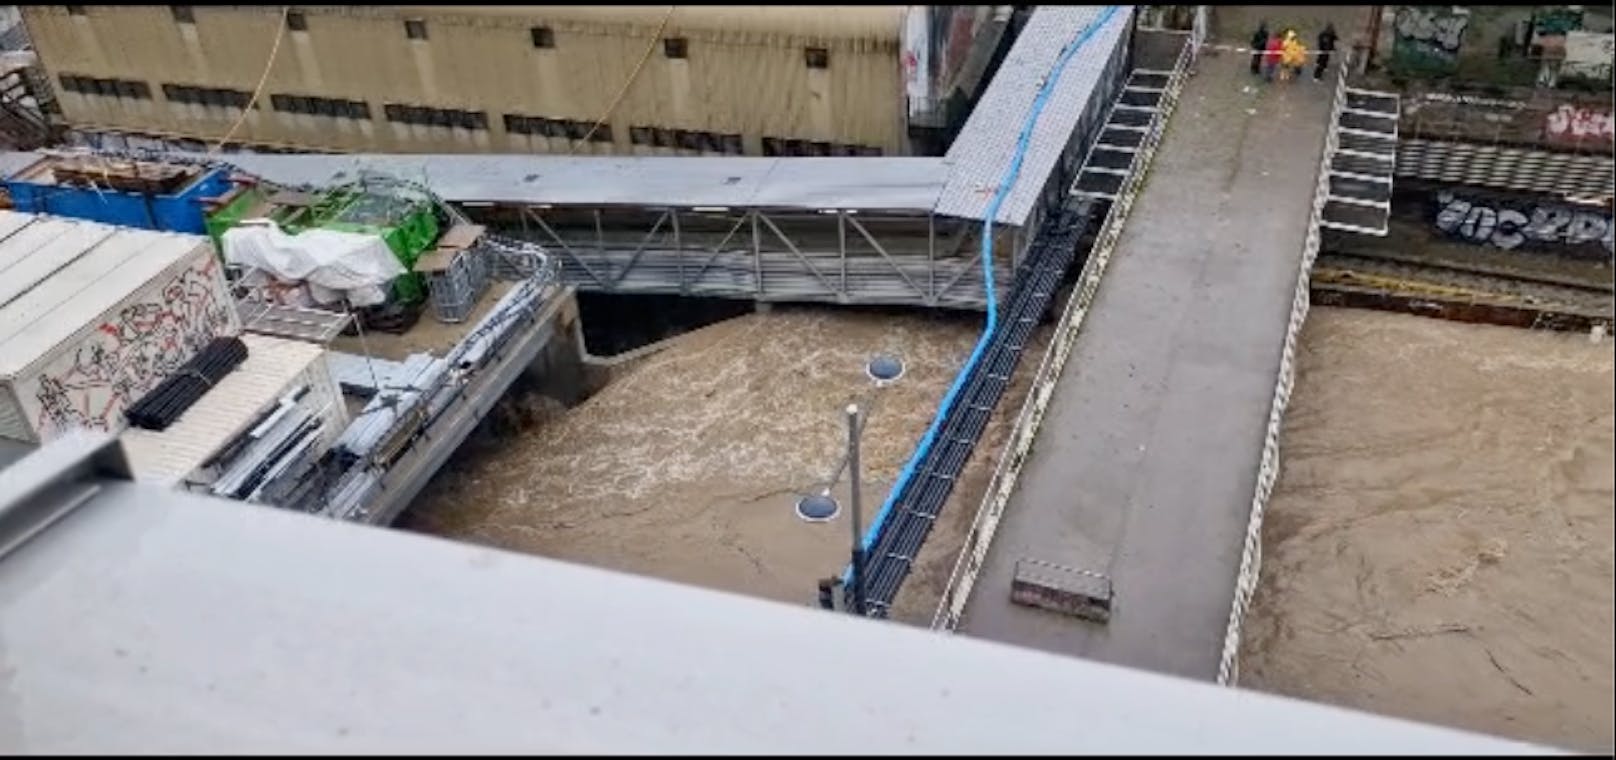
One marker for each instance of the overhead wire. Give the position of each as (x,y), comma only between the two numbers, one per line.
(632,76)
(274,51)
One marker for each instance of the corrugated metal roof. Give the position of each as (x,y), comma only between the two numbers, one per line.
(105,272)
(222,413)
(11,223)
(34,254)
(985,145)
(897,183)
(13,161)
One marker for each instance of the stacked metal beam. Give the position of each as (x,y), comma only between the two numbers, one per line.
(265,464)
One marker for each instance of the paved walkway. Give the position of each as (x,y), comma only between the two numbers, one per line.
(1146,461)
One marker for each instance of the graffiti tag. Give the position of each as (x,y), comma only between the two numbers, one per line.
(130,353)
(1571,123)
(1509,228)
(1421,24)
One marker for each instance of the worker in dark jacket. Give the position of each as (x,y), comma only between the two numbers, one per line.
(1259,43)
(1326,46)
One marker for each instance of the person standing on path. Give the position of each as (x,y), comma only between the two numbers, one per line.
(1259,43)
(1327,40)
(1271,56)
(1294,56)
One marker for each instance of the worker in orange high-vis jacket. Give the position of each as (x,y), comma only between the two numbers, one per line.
(1293,56)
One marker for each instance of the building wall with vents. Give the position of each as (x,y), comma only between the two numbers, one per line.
(443,79)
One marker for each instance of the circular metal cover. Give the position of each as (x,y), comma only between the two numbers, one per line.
(817,508)
(884,368)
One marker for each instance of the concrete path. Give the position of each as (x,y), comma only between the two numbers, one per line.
(1146,461)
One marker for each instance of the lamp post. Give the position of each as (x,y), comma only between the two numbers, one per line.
(854,430)
(883,370)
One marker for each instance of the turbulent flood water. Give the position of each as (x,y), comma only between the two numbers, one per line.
(687,464)
(1439,545)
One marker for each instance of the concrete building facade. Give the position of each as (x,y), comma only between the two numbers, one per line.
(632,80)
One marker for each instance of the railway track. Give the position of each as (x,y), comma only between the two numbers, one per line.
(1463,293)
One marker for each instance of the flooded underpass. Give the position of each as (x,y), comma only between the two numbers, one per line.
(1439,544)
(687,462)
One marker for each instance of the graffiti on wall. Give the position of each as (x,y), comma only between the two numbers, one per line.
(1571,124)
(132,351)
(1428,37)
(1543,226)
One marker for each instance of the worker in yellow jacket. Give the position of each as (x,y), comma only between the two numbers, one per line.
(1292,55)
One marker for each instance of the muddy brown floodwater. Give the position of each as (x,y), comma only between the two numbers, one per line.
(1439,545)
(687,464)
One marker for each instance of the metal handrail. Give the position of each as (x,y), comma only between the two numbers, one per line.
(1268,468)
(951,606)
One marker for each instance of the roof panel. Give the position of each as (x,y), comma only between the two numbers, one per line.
(897,183)
(982,152)
(221,414)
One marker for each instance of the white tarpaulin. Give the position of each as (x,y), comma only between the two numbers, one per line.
(333,264)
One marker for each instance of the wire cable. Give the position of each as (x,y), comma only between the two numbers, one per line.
(274,50)
(632,76)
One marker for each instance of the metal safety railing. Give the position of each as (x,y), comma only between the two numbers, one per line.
(1268,468)
(973,555)
(900,527)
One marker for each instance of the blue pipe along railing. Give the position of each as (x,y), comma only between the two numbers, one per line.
(990,329)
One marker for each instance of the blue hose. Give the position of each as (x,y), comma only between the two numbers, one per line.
(988,331)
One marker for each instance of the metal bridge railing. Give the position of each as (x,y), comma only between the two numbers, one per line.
(1268,468)
(973,555)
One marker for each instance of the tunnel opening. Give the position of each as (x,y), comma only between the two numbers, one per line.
(614,324)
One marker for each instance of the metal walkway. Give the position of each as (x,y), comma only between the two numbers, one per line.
(1142,467)
(840,230)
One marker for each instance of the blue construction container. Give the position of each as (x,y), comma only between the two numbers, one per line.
(35,189)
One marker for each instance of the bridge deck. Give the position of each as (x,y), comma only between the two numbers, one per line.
(1145,463)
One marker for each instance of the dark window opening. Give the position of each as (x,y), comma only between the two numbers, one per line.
(796,147)
(602,133)
(415,29)
(771,146)
(816,58)
(393,111)
(662,138)
(733,145)
(819,148)
(183,14)
(688,140)
(640,135)
(675,47)
(296,21)
(75,10)
(578,130)
(543,37)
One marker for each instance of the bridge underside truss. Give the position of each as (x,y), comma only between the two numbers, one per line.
(831,256)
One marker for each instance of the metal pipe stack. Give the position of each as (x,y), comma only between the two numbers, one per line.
(163,405)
